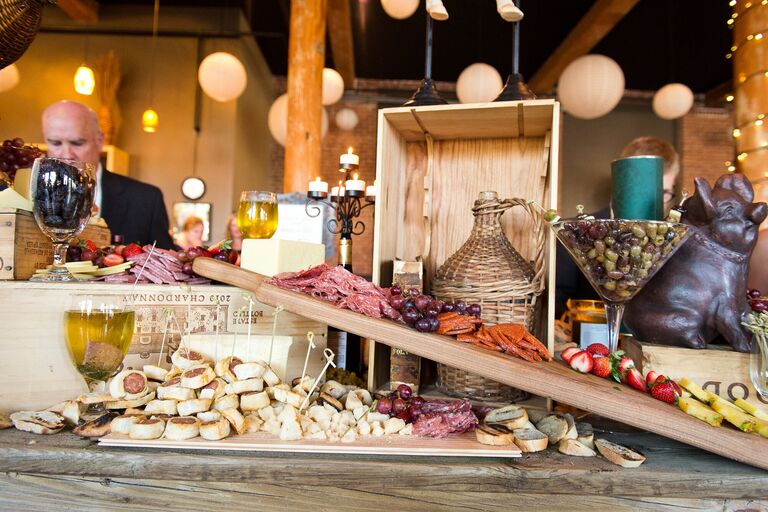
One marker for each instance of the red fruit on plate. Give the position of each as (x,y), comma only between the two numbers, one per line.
(665,391)
(233,257)
(661,378)
(131,250)
(566,354)
(89,255)
(581,361)
(88,244)
(621,366)
(635,380)
(651,377)
(119,249)
(110,260)
(601,366)
(597,349)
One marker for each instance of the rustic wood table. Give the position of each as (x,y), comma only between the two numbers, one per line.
(66,473)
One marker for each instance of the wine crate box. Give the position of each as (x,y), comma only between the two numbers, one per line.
(717,369)
(24,248)
(35,368)
(431,164)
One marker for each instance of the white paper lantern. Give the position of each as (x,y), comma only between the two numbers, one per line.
(333,86)
(478,83)
(400,9)
(673,101)
(277,120)
(222,76)
(591,86)
(346,119)
(9,78)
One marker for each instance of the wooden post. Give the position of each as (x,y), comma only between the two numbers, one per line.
(306,57)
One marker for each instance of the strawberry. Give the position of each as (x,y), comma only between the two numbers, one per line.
(661,378)
(119,249)
(88,244)
(635,380)
(651,377)
(110,260)
(601,366)
(581,361)
(131,250)
(598,349)
(664,390)
(566,354)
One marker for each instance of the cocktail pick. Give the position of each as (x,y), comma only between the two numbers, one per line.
(141,271)
(218,313)
(310,345)
(248,342)
(167,313)
(278,309)
(329,355)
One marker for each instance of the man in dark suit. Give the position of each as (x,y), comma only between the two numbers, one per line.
(131,208)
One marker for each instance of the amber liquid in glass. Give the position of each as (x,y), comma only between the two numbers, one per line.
(257,219)
(98,341)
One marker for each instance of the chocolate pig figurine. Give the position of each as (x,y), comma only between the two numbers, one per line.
(700,294)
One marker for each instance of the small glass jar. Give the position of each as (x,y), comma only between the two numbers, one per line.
(588,323)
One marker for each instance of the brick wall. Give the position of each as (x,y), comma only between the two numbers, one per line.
(705,144)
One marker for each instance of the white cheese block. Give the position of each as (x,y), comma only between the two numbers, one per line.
(270,257)
(9,198)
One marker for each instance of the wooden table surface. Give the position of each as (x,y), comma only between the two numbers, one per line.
(65,472)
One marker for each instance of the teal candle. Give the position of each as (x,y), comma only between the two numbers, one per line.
(637,190)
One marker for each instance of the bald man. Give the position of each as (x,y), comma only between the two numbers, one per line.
(131,208)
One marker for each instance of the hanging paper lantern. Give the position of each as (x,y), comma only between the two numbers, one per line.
(591,86)
(347,119)
(400,9)
(673,101)
(84,80)
(478,83)
(222,76)
(277,120)
(333,86)
(150,120)
(9,78)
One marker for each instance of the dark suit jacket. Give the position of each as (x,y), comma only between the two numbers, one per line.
(135,210)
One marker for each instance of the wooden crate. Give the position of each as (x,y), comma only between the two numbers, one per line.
(717,369)
(35,369)
(431,164)
(24,248)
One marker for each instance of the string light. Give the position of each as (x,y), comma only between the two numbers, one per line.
(756,36)
(729,98)
(736,133)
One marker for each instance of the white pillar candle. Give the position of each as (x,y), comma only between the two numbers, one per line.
(349,158)
(370,191)
(318,185)
(355,184)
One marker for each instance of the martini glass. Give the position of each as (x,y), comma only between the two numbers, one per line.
(619,257)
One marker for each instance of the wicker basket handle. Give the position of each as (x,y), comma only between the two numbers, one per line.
(540,238)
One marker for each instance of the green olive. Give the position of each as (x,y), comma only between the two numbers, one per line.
(551,216)
(638,231)
(625,269)
(658,241)
(611,255)
(609,265)
(609,241)
(592,254)
(600,246)
(635,250)
(651,229)
(600,258)
(647,264)
(609,285)
(647,256)
(625,293)
(663,228)
(641,273)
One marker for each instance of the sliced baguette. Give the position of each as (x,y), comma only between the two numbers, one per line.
(530,440)
(495,437)
(572,432)
(511,416)
(555,427)
(618,454)
(586,435)
(536,415)
(575,448)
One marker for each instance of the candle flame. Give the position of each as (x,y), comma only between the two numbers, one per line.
(349,150)
(355,176)
(317,179)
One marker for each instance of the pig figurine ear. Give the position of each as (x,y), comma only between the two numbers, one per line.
(737,183)
(700,208)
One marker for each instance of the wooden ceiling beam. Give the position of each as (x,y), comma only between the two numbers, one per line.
(86,11)
(342,44)
(590,30)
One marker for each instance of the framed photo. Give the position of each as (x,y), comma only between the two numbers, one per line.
(182,211)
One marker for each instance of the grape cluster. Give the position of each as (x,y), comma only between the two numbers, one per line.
(420,311)
(401,403)
(14,155)
(758,302)
(222,252)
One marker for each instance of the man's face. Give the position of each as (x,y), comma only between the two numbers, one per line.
(71,136)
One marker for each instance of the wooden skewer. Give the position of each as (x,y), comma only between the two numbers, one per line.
(310,346)
(329,355)
(278,309)
(165,334)
(248,342)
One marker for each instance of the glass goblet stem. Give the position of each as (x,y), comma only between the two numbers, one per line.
(60,254)
(614,311)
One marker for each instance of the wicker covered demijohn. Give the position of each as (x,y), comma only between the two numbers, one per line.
(489,271)
(19,23)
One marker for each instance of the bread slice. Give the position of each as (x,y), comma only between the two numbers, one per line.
(585,435)
(536,415)
(530,440)
(618,454)
(554,426)
(572,433)
(487,434)
(575,448)
(511,416)
(38,422)
(5,421)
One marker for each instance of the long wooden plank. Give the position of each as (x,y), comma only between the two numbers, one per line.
(590,30)
(554,380)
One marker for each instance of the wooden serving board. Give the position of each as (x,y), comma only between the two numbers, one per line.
(463,445)
(555,380)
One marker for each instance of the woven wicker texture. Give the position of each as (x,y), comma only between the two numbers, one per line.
(19,22)
(489,271)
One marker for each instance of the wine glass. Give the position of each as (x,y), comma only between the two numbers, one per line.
(98,329)
(619,257)
(257,214)
(758,367)
(62,196)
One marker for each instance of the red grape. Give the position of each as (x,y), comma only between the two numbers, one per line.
(384,405)
(753,294)
(410,316)
(448,307)
(403,416)
(474,309)
(760,306)
(421,302)
(397,301)
(417,401)
(414,412)
(434,323)
(88,255)
(423,325)
(405,391)
(398,405)
(187,268)
(221,256)
(413,292)
(460,307)
(396,290)
(17,142)
(431,313)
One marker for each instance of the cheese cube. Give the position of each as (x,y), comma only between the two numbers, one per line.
(268,256)
(393,425)
(364,428)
